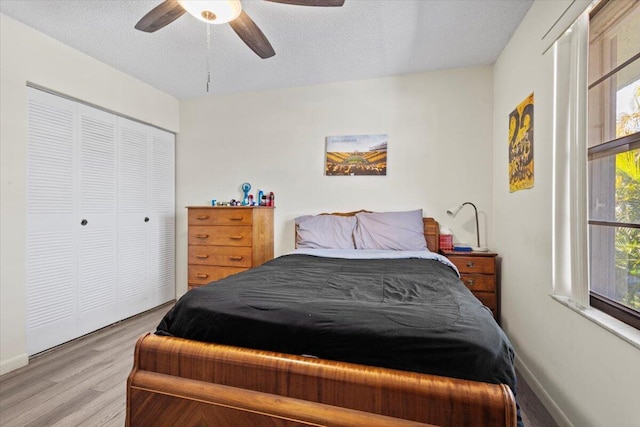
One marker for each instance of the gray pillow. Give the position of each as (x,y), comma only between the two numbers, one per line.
(325,232)
(390,230)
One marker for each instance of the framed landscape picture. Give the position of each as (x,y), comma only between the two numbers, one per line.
(352,155)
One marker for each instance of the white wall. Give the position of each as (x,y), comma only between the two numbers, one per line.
(29,56)
(439,126)
(586,375)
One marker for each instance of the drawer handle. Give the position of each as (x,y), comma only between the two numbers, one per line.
(471,264)
(235,258)
(236,218)
(203,217)
(202,276)
(202,256)
(235,237)
(469,283)
(202,236)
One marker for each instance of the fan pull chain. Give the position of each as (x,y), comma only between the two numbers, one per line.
(208,56)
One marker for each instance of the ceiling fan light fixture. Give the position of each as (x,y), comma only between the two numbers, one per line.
(213,11)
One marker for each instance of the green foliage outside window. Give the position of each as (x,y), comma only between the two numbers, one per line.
(628,209)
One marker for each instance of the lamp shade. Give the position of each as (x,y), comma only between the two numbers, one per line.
(213,11)
(454,212)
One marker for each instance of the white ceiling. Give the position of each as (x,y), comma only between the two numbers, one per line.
(363,39)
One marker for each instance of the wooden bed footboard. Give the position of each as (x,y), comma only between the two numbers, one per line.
(178,382)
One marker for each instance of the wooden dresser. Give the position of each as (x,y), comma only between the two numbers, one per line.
(479,272)
(227,240)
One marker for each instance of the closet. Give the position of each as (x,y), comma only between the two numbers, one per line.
(100,219)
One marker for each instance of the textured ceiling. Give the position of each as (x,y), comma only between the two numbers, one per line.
(363,39)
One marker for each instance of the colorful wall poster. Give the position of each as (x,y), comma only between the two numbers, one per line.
(521,146)
(351,155)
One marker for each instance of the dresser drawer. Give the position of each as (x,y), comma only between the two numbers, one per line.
(227,240)
(220,235)
(470,264)
(220,216)
(232,256)
(204,274)
(479,282)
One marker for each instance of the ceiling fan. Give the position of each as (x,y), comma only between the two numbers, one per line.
(220,12)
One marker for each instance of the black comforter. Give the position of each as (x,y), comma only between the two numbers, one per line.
(408,314)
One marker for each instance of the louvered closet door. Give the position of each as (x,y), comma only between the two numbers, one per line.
(133,218)
(97,256)
(52,223)
(162,223)
(100,219)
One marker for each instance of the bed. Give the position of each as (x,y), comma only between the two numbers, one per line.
(322,352)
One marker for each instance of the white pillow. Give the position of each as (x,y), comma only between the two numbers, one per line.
(325,231)
(390,230)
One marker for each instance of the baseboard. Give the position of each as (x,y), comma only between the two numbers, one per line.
(14,363)
(554,410)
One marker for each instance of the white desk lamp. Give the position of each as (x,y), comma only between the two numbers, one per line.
(454,212)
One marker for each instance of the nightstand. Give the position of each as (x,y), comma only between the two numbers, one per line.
(479,272)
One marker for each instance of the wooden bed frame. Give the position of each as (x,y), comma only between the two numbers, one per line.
(178,382)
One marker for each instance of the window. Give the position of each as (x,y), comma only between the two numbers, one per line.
(596,175)
(613,149)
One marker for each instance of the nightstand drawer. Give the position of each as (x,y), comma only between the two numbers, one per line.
(220,216)
(488,299)
(231,256)
(474,264)
(479,282)
(479,273)
(220,236)
(203,274)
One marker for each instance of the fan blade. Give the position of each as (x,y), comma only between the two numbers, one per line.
(249,32)
(163,14)
(323,3)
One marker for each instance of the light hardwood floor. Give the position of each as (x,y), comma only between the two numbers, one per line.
(534,414)
(82,383)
